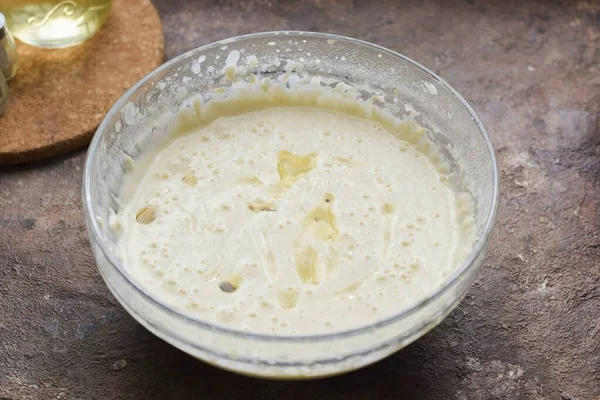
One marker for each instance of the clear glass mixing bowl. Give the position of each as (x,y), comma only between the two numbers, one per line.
(137,122)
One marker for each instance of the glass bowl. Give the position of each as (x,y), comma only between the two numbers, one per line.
(139,121)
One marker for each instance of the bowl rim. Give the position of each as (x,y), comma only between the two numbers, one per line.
(467,265)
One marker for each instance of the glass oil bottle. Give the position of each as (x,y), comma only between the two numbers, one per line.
(55,23)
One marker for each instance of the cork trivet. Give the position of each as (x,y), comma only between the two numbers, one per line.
(59,97)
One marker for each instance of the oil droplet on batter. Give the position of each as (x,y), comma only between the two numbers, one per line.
(307,265)
(319,224)
(250,180)
(290,166)
(189,180)
(387,208)
(321,221)
(146,215)
(288,298)
(259,205)
(345,162)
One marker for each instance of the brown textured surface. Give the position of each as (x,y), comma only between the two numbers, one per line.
(59,97)
(529,328)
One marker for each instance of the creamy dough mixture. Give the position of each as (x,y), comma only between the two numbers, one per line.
(294,220)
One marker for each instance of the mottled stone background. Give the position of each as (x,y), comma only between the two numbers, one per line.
(528,329)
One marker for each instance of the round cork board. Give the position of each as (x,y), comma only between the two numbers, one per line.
(59,97)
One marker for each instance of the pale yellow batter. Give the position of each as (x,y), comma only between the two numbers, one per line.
(294,220)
